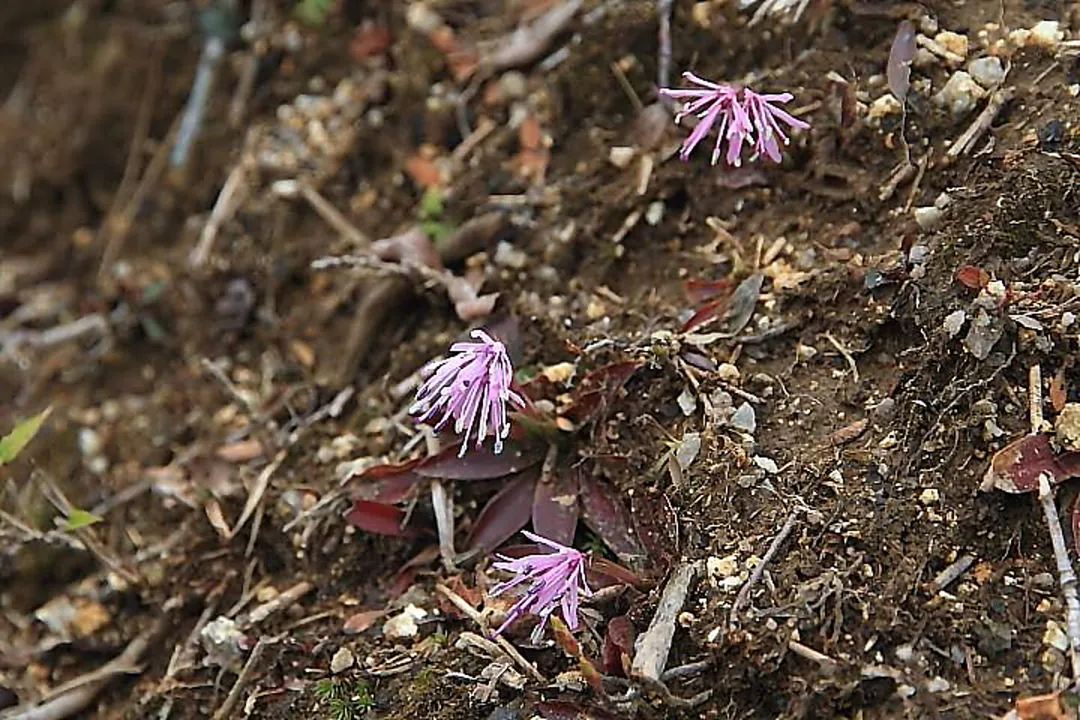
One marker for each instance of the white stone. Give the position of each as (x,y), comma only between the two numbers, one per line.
(928,218)
(343,660)
(403,625)
(987,71)
(960,95)
(1046,34)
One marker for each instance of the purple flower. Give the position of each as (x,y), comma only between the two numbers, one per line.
(764,116)
(711,103)
(555,579)
(753,120)
(472,386)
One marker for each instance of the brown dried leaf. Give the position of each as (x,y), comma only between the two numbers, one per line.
(1016,467)
(1043,707)
(618,646)
(423,172)
(360,621)
(217,518)
(849,432)
(555,507)
(240,451)
(1058,390)
(564,638)
(972,277)
(506,513)
(368,39)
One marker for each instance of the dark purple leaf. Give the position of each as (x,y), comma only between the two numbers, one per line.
(507,331)
(656,526)
(506,513)
(378,518)
(704,314)
(606,516)
(555,507)
(618,646)
(599,388)
(481,463)
(902,53)
(389,490)
(743,302)
(1016,467)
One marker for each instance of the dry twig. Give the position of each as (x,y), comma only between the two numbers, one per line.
(982,123)
(75,696)
(1066,574)
(499,641)
(759,569)
(243,678)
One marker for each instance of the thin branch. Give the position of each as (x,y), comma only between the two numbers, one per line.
(1066,574)
(759,569)
(499,641)
(982,123)
(78,694)
(243,678)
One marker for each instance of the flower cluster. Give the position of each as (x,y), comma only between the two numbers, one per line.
(754,120)
(556,579)
(472,386)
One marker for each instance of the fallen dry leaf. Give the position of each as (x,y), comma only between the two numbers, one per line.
(423,172)
(360,621)
(240,451)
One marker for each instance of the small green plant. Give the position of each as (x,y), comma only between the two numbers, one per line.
(20,436)
(314,12)
(344,700)
(430,215)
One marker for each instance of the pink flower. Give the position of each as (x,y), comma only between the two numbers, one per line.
(755,119)
(764,116)
(556,579)
(711,103)
(472,387)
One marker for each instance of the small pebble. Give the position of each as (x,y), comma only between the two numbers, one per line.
(403,625)
(1046,34)
(960,95)
(89,442)
(767,464)
(1067,426)
(506,255)
(954,322)
(929,496)
(728,373)
(987,71)
(953,42)
(343,660)
(928,217)
(721,567)
(744,418)
(1055,636)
